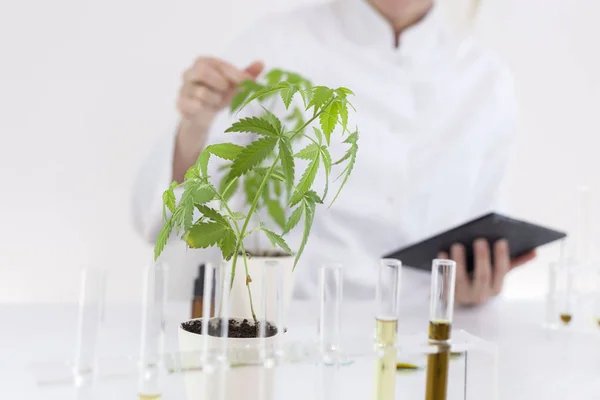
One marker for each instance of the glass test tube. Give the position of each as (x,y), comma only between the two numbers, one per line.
(443,280)
(270,316)
(597,301)
(92,297)
(551,297)
(272,298)
(207,305)
(222,357)
(583,233)
(386,327)
(330,300)
(565,285)
(153,330)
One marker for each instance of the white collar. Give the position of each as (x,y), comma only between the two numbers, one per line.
(365,26)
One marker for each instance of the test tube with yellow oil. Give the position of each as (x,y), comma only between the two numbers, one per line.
(443,278)
(386,327)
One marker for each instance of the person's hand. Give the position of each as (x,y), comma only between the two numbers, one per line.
(208,86)
(487,281)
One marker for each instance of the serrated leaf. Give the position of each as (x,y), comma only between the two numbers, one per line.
(352,139)
(185,212)
(269,90)
(293,77)
(287,162)
(328,120)
(293,220)
(313,197)
(192,173)
(244,90)
(320,96)
(228,244)
(351,153)
(205,234)
(307,97)
(213,215)
(318,134)
(202,162)
(343,111)
(226,151)
(169,197)
(327,164)
(238,216)
(252,155)
(306,181)
(276,212)
(203,195)
(277,240)
(309,215)
(343,92)
(259,125)
(287,94)
(163,237)
(274,76)
(274,121)
(308,153)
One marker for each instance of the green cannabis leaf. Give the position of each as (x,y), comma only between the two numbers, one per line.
(261,126)
(264,170)
(277,240)
(293,220)
(205,234)
(307,179)
(252,155)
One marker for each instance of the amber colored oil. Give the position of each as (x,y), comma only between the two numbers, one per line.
(566,318)
(436,386)
(386,332)
(198,307)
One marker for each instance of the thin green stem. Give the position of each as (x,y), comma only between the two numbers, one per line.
(311,139)
(248,282)
(310,121)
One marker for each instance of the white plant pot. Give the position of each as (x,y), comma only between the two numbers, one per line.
(239,300)
(246,382)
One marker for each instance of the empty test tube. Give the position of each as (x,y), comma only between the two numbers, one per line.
(329,325)
(153,330)
(92,299)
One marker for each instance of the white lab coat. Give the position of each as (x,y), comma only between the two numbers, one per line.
(437,121)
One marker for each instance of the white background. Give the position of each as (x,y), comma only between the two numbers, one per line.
(86,86)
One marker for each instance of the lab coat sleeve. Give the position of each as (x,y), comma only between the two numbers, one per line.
(501,140)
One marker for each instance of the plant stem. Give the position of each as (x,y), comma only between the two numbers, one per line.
(255,204)
(297,131)
(248,283)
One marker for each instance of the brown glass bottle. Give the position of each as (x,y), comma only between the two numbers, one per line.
(199,298)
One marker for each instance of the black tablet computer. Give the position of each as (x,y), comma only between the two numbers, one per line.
(522,237)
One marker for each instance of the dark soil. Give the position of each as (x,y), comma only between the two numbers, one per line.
(245,328)
(267,253)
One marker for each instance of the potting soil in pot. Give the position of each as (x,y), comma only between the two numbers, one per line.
(238,328)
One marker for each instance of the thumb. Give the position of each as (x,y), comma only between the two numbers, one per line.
(255,69)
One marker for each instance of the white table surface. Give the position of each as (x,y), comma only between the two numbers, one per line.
(533,362)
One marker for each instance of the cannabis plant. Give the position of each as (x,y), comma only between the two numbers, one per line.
(265,169)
